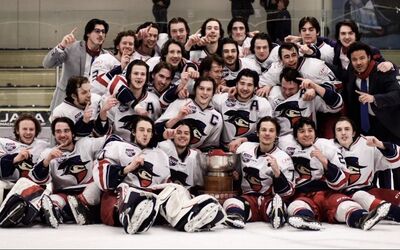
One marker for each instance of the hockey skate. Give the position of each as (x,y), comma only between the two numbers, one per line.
(304,222)
(235,221)
(138,212)
(13,211)
(51,216)
(376,215)
(79,210)
(277,214)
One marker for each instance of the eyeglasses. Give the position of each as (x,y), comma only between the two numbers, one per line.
(98,31)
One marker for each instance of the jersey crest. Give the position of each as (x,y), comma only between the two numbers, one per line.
(74,166)
(145,174)
(198,129)
(290,110)
(354,169)
(252,175)
(240,119)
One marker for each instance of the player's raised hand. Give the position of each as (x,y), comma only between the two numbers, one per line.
(169,133)
(271,160)
(68,39)
(372,141)
(126,57)
(134,164)
(143,33)
(317,153)
(22,155)
(87,113)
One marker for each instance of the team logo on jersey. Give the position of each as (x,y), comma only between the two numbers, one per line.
(252,175)
(240,119)
(145,174)
(78,116)
(230,102)
(354,169)
(198,129)
(123,108)
(179,177)
(289,110)
(246,157)
(303,168)
(130,152)
(173,161)
(74,166)
(10,146)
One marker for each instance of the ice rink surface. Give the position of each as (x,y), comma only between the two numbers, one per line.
(258,235)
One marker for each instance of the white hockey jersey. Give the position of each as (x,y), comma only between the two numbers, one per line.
(325,52)
(258,177)
(121,115)
(244,63)
(9,149)
(186,172)
(206,124)
(67,109)
(364,161)
(73,170)
(101,66)
(265,65)
(311,175)
(240,118)
(289,111)
(117,154)
(310,68)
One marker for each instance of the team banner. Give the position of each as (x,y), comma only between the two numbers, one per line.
(8,117)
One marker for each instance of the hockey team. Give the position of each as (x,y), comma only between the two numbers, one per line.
(315,122)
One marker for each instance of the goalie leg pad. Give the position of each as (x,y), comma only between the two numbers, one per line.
(13,211)
(138,211)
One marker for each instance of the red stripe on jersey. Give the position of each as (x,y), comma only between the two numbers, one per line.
(101,173)
(395,159)
(341,184)
(32,192)
(115,83)
(100,80)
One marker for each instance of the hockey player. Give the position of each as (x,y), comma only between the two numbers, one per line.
(205,121)
(290,105)
(106,66)
(133,97)
(67,166)
(83,108)
(310,45)
(267,177)
(229,51)
(263,52)
(321,174)
(18,156)
(364,156)
(238,30)
(161,78)
(184,162)
(311,68)
(242,112)
(212,32)
(134,176)
(171,53)
(146,44)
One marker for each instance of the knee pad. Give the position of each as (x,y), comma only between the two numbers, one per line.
(365,199)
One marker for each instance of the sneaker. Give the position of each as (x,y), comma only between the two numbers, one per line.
(142,217)
(304,222)
(50,215)
(277,214)
(13,211)
(376,215)
(79,210)
(235,221)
